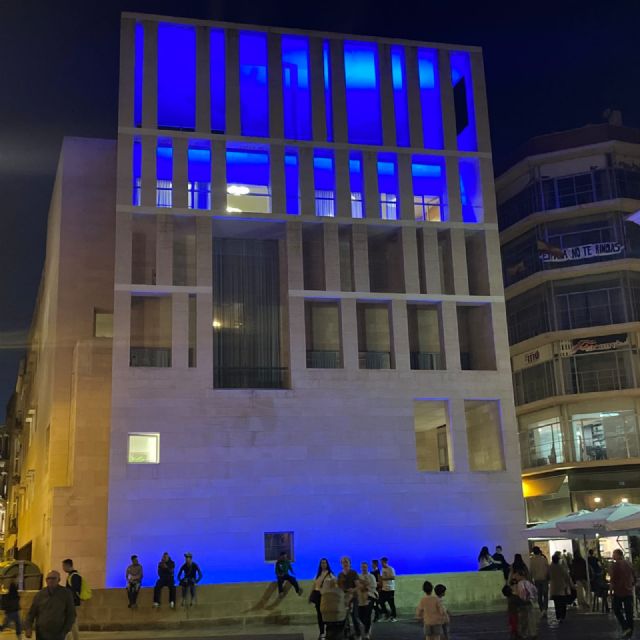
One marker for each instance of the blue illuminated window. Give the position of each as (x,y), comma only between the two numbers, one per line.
(471,190)
(388,186)
(463,100)
(254,91)
(164,173)
(199,186)
(356,185)
(324,183)
(292,181)
(401,108)
(217,80)
(137,75)
(363,92)
(248,180)
(430,98)
(176,76)
(137,173)
(429,188)
(295,87)
(326,68)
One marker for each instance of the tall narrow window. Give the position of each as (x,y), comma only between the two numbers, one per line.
(143,249)
(136,192)
(325,183)
(296,93)
(431,425)
(425,339)
(475,332)
(322,321)
(292,181)
(137,75)
(328,108)
(184,251)
(400,104)
(388,186)
(430,98)
(217,80)
(193,330)
(363,92)
(164,173)
(176,76)
(248,180)
(429,188)
(357,188)
(374,336)
(463,100)
(471,190)
(199,185)
(484,435)
(150,342)
(254,91)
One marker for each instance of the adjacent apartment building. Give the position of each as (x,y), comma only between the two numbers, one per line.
(571,265)
(272,314)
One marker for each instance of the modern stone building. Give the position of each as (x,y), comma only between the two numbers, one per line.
(298,244)
(571,259)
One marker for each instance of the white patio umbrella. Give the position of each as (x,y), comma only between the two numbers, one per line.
(552,528)
(618,518)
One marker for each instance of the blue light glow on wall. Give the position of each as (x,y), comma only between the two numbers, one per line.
(199,164)
(326,69)
(429,183)
(137,75)
(176,76)
(199,175)
(363,92)
(324,181)
(356,184)
(471,190)
(254,90)
(461,72)
(400,104)
(295,87)
(430,98)
(388,185)
(247,166)
(164,160)
(292,181)
(136,168)
(217,80)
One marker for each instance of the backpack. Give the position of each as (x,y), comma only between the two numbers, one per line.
(85,589)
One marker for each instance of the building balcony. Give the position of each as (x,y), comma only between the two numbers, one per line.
(324,360)
(425,360)
(150,357)
(374,359)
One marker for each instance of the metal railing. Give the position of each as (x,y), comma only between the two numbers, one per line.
(425,360)
(612,379)
(374,359)
(324,360)
(251,378)
(150,357)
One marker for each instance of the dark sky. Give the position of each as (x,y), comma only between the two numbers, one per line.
(549,66)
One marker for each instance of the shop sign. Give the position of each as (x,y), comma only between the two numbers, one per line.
(591,345)
(582,252)
(532,358)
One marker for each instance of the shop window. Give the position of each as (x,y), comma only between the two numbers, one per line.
(143,448)
(431,426)
(484,435)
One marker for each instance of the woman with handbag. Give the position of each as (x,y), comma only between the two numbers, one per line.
(560,585)
(324,572)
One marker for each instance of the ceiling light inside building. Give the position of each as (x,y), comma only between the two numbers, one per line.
(625,500)
(237,190)
(597,499)
(216,324)
(233,210)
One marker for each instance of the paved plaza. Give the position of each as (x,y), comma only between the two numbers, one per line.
(493,626)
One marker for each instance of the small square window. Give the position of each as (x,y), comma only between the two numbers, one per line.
(103,325)
(144,448)
(276,543)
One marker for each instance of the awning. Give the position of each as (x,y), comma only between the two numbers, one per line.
(533,487)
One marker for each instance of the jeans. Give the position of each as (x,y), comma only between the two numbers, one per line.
(584,593)
(542,587)
(560,603)
(335,630)
(623,611)
(188,586)
(364,614)
(390,597)
(12,616)
(321,624)
(291,580)
(157,590)
(133,589)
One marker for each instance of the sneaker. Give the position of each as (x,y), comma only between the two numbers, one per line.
(156,605)
(172,605)
(393,619)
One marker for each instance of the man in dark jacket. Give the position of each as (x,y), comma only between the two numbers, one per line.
(166,571)
(52,610)
(188,576)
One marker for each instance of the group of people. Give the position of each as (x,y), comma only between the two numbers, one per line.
(565,580)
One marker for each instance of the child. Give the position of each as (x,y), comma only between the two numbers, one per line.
(513,605)
(440,591)
(11,606)
(432,613)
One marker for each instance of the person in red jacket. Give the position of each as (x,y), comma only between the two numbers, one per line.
(622,582)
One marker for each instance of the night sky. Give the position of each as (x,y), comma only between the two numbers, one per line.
(549,67)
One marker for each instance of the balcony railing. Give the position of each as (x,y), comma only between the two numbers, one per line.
(150,357)
(251,378)
(599,380)
(374,359)
(425,360)
(324,360)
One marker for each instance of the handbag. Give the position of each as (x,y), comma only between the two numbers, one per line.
(315,596)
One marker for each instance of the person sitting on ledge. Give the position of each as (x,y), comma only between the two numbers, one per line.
(284,571)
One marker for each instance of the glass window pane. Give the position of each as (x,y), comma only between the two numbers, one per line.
(484,435)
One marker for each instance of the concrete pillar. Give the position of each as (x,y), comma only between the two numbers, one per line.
(338,91)
(127,73)
(149,172)
(494,263)
(331,246)
(180,331)
(203,80)
(450,338)
(360,257)
(458,434)
(124,248)
(164,250)
(180,172)
(124,182)
(204,338)
(121,329)
(232,80)
(316,69)
(349,325)
(431,260)
(413,97)
(306,182)
(274,77)
(500,337)
(386,96)
(297,337)
(276,169)
(150,76)
(459,259)
(480,101)
(343,186)
(371,191)
(400,335)
(218,177)
(453,189)
(489,206)
(204,253)
(410,260)
(295,273)
(405,186)
(446,101)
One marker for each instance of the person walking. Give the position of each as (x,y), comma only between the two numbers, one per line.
(375,572)
(333,608)
(166,573)
(10,604)
(432,613)
(133,576)
(388,590)
(579,577)
(527,595)
(188,577)
(284,573)
(559,585)
(440,590)
(74,584)
(622,585)
(519,566)
(315,597)
(367,594)
(52,611)
(347,581)
(539,568)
